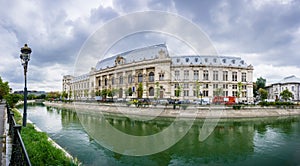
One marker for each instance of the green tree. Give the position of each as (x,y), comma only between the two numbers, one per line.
(12,99)
(31,97)
(197,88)
(260,83)
(286,95)
(263,94)
(64,94)
(86,93)
(53,95)
(42,96)
(98,93)
(104,93)
(70,94)
(239,85)
(4,89)
(111,92)
(128,92)
(178,91)
(140,90)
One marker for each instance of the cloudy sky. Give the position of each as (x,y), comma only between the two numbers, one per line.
(265,33)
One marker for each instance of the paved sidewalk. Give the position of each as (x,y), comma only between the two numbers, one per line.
(2,134)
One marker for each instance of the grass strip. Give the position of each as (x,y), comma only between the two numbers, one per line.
(39,149)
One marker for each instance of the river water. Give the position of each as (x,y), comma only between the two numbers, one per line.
(256,141)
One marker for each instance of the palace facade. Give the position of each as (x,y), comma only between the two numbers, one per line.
(150,72)
(291,83)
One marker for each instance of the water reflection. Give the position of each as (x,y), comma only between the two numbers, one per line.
(233,142)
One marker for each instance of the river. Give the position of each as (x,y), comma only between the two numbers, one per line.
(249,141)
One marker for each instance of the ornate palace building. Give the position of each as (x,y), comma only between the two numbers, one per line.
(151,72)
(291,83)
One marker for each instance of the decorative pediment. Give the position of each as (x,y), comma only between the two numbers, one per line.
(162,54)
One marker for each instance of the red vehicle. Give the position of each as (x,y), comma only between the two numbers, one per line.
(227,100)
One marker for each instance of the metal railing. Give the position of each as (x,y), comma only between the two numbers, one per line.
(19,154)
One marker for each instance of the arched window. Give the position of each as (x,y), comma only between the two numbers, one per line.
(151,91)
(140,77)
(151,77)
(187,59)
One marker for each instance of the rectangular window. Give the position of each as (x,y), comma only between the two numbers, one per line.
(161,77)
(177,75)
(195,93)
(99,82)
(293,88)
(244,87)
(234,93)
(121,80)
(244,77)
(225,93)
(176,85)
(234,86)
(205,93)
(186,92)
(205,75)
(205,86)
(225,86)
(234,76)
(215,86)
(185,86)
(215,75)
(186,75)
(225,75)
(196,75)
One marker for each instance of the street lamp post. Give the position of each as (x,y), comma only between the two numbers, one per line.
(25,57)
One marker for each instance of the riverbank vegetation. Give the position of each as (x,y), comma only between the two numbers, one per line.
(40,150)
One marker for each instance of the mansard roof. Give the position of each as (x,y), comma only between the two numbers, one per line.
(208,60)
(81,77)
(290,79)
(136,55)
(152,52)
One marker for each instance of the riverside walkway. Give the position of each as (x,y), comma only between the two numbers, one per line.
(2,129)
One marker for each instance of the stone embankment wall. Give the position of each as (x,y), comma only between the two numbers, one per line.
(167,111)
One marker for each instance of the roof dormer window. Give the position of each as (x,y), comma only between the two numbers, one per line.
(196,59)
(187,59)
(177,60)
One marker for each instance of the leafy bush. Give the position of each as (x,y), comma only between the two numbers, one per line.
(277,103)
(236,107)
(12,99)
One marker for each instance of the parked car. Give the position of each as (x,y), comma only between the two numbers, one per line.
(163,101)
